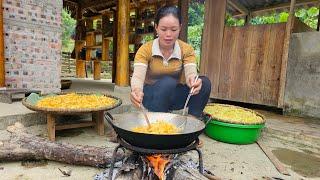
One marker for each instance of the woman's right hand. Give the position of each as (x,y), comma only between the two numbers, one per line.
(136,97)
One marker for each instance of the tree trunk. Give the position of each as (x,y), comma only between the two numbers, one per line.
(21,146)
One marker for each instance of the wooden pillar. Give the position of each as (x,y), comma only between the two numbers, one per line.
(105,49)
(285,53)
(2,61)
(212,40)
(79,44)
(184,6)
(96,70)
(80,63)
(114,47)
(122,74)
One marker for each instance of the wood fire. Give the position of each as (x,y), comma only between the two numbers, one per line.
(158,163)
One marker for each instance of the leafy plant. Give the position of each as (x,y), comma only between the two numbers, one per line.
(68,26)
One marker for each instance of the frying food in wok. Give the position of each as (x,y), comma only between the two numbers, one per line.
(158,127)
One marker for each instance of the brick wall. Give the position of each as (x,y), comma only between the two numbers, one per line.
(32,33)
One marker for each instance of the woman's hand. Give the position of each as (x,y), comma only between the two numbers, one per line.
(136,97)
(197,85)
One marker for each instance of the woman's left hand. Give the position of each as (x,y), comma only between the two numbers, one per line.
(197,85)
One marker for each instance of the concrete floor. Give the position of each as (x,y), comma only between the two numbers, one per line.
(295,141)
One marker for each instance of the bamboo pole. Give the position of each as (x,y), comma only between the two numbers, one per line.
(122,74)
(285,54)
(2,62)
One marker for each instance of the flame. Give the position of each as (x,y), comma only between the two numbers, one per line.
(158,163)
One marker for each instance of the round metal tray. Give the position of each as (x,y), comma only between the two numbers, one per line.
(72,111)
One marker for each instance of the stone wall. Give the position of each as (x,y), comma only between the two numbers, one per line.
(302,93)
(32,33)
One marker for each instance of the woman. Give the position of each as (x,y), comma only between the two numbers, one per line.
(165,70)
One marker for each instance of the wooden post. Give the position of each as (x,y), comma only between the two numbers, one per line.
(51,123)
(212,41)
(80,64)
(105,49)
(114,47)
(98,119)
(96,70)
(248,19)
(2,62)
(122,74)
(184,6)
(285,53)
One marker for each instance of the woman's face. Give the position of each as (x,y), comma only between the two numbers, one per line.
(168,31)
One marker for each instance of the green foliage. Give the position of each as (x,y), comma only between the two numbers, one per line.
(147,38)
(230,21)
(195,26)
(194,38)
(196,13)
(308,16)
(68,26)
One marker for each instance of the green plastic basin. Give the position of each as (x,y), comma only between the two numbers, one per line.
(233,133)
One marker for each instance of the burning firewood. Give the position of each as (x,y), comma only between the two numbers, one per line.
(177,167)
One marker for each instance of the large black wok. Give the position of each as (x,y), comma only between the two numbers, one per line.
(124,123)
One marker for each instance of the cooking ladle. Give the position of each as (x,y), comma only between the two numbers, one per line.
(144,112)
(186,103)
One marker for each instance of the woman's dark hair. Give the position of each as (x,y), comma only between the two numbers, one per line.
(167,10)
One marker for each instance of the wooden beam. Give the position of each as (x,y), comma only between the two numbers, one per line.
(2,61)
(90,3)
(285,53)
(212,42)
(184,6)
(256,12)
(238,6)
(122,74)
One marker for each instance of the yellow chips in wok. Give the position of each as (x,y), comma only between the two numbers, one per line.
(158,127)
(76,101)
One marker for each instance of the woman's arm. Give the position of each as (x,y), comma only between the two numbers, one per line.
(139,74)
(190,69)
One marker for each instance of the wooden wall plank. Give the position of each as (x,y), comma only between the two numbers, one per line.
(250,64)
(212,42)
(240,70)
(229,39)
(254,93)
(265,75)
(285,52)
(275,62)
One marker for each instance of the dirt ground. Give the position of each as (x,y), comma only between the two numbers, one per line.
(224,160)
